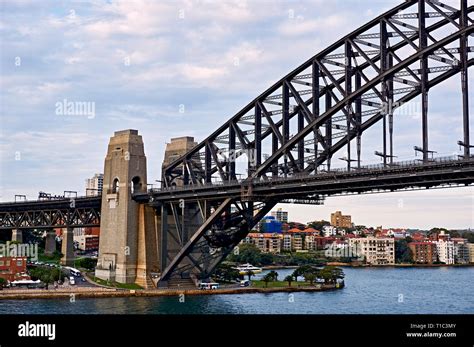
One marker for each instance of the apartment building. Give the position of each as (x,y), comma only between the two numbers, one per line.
(377,251)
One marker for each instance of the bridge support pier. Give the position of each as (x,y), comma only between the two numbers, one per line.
(67,247)
(50,243)
(17,235)
(127,248)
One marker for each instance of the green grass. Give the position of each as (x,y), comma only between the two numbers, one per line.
(49,259)
(278,284)
(115,284)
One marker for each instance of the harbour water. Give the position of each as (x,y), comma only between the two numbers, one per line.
(445,290)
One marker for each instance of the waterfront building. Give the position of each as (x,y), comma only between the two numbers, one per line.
(94,185)
(287,241)
(377,251)
(470,247)
(265,242)
(340,220)
(297,242)
(461,251)
(445,251)
(423,252)
(310,243)
(12,268)
(280,215)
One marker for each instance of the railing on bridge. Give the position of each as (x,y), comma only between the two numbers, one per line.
(408,164)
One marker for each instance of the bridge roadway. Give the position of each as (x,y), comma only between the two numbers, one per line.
(85,211)
(401,175)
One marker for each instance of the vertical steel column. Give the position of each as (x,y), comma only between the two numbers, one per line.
(390,108)
(424,77)
(208,163)
(231,165)
(164,237)
(328,131)
(286,122)
(315,109)
(258,136)
(358,111)
(348,64)
(274,149)
(300,143)
(383,67)
(465,80)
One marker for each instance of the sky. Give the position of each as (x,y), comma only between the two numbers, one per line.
(182,68)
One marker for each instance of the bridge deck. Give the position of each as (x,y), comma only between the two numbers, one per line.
(448,170)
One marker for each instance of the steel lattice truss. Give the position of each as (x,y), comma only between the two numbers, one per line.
(303,120)
(80,212)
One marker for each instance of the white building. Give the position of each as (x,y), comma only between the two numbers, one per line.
(329,230)
(94,185)
(445,251)
(377,251)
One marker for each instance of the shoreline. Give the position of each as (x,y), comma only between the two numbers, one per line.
(120,293)
(283,267)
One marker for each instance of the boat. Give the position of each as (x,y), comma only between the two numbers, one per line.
(244,269)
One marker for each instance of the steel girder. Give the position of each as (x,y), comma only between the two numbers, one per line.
(320,108)
(78,212)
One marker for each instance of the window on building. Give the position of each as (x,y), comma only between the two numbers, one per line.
(115,186)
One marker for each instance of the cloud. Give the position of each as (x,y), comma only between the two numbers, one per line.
(140,60)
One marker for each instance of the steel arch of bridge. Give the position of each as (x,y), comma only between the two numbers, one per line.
(329,101)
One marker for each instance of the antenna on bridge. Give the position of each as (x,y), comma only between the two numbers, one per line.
(419,149)
(380,154)
(465,145)
(348,161)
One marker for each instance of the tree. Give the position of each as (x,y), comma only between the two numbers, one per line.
(318,225)
(403,253)
(273,275)
(87,263)
(3,283)
(267,278)
(226,272)
(248,253)
(330,274)
(250,273)
(47,279)
(309,277)
(289,279)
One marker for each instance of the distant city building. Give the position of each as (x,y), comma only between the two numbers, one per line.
(461,251)
(340,220)
(287,242)
(87,242)
(12,268)
(445,250)
(377,251)
(297,244)
(280,215)
(470,247)
(94,185)
(265,242)
(423,252)
(270,224)
(329,230)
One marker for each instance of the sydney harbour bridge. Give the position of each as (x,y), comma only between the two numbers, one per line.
(282,145)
